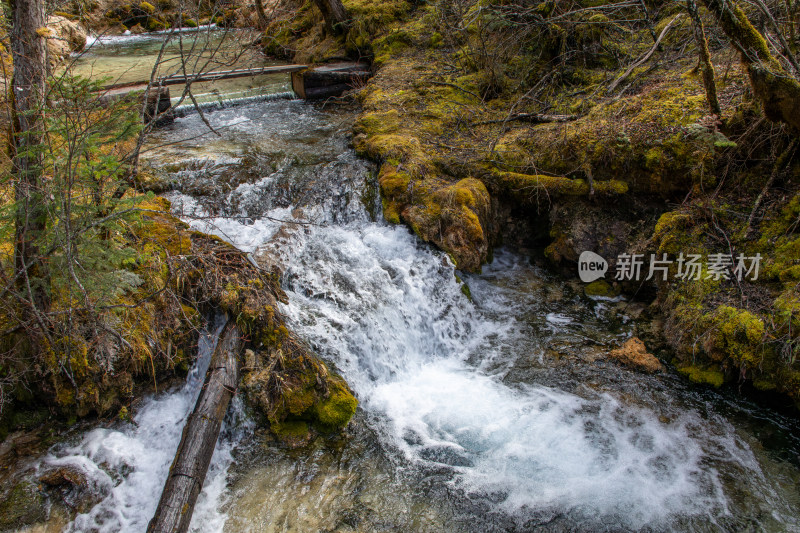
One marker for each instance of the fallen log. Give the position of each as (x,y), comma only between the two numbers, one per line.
(329,80)
(188,470)
(534,118)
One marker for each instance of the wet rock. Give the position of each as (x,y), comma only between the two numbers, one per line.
(68,483)
(137,29)
(23,505)
(18,444)
(600,289)
(63,475)
(293,433)
(634,354)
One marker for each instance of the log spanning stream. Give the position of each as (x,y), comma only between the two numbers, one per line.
(496,414)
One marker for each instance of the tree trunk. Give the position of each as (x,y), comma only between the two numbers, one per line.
(262,15)
(29,53)
(705,57)
(188,470)
(335,15)
(778,92)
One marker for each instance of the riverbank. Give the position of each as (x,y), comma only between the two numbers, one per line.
(549,140)
(488,402)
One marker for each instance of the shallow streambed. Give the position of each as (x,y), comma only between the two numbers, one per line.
(500,413)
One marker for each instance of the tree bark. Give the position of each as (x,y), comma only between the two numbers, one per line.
(29,53)
(335,15)
(188,470)
(705,58)
(777,90)
(262,14)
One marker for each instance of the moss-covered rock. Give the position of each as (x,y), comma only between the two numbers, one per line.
(23,505)
(334,412)
(294,391)
(600,289)
(293,433)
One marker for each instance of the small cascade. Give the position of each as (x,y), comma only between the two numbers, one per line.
(227,102)
(128,464)
(496,413)
(506,401)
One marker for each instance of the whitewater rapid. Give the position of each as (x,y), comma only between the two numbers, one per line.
(495,413)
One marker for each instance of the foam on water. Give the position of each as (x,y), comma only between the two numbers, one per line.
(389,312)
(432,369)
(129,464)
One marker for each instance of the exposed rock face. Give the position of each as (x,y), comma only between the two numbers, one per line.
(577,226)
(71,485)
(65,37)
(634,354)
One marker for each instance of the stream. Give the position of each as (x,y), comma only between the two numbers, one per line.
(495,413)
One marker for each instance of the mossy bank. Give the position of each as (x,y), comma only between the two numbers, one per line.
(566,131)
(147,338)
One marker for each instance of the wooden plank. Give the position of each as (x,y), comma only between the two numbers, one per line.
(229,74)
(188,470)
(299,85)
(179,79)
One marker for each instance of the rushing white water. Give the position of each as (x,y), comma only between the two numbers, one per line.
(502,408)
(129,463)
(435,373)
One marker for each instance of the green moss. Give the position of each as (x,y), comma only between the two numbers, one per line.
(292,430)
(712,377)
(736,333)
(528,186)
(147,7)
(335,412)
(23,505)
(600,288)
(764,385)
(672,236)
(377,123)
(154,24)
(299,400)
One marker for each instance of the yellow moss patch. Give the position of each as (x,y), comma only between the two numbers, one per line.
(528,186)
(735,333)
(335,412)
(712,377)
